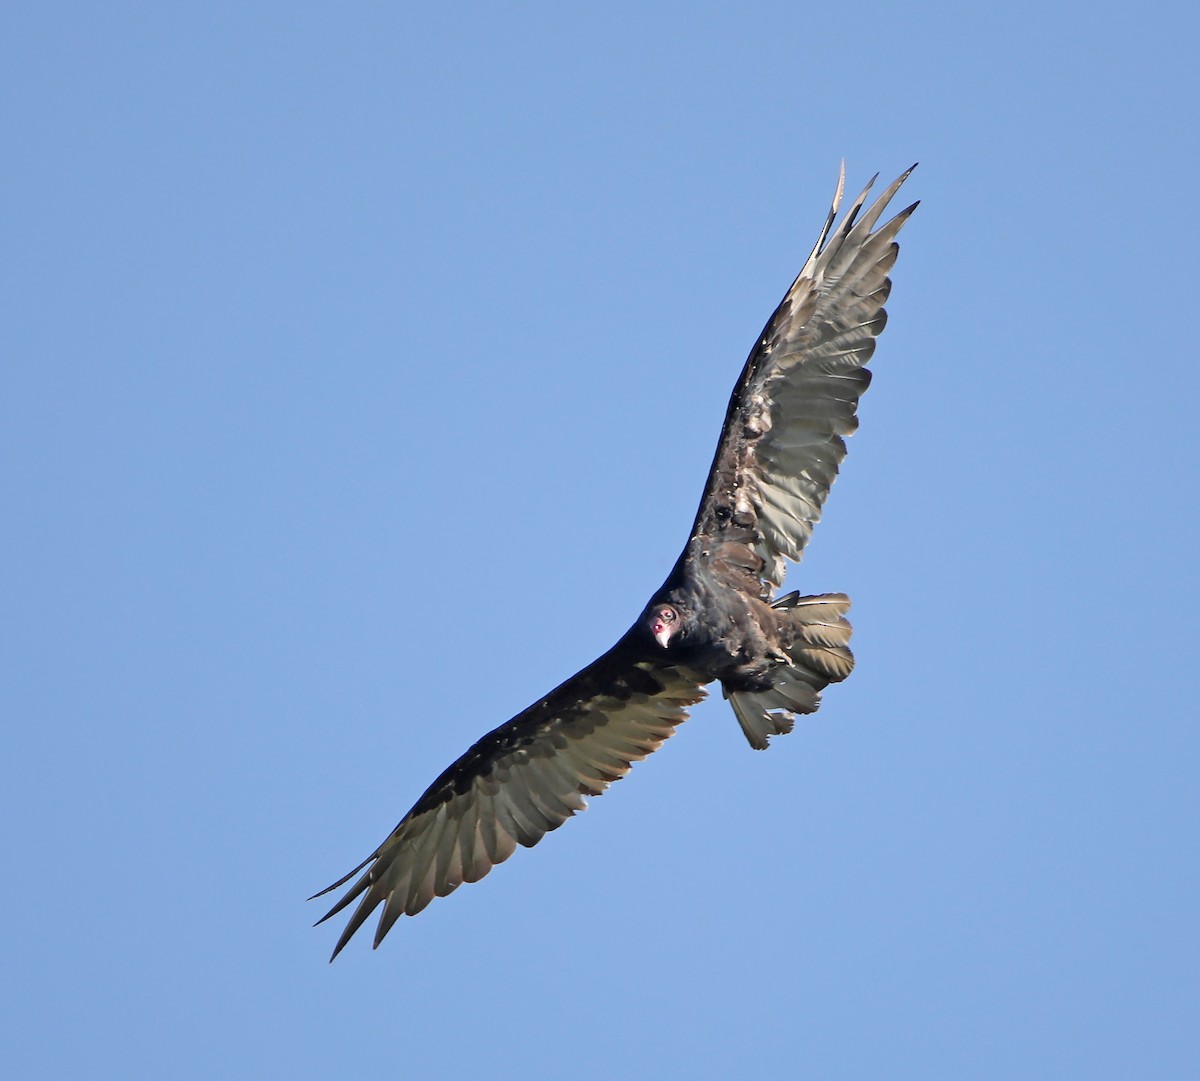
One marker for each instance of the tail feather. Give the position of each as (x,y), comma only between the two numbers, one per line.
(818,654)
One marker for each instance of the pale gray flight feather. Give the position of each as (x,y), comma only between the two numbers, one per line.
(540,767)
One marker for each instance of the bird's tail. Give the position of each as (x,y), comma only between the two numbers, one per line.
(818,654)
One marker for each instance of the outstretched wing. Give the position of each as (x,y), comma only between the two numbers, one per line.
(520,781)
(797,398)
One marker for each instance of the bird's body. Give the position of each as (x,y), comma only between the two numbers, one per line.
(715,617)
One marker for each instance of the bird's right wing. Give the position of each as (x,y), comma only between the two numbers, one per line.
(520,781)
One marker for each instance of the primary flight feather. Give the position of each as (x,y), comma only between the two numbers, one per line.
(714,618)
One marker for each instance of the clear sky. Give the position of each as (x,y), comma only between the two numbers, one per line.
(363,365)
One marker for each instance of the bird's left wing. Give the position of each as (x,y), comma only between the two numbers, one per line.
(797,398)
(520,781)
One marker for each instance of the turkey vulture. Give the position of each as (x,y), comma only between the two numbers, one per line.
(714,618)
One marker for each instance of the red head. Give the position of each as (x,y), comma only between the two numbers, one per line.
(664,624)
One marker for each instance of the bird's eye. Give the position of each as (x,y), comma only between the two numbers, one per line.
(667,615)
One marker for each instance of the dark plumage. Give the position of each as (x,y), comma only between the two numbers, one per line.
(713,618)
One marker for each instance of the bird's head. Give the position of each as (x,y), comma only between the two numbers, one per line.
(665,623)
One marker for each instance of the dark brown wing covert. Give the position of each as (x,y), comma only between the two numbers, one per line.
(797,398)
(518,783)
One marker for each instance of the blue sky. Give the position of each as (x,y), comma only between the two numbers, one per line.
(363,367)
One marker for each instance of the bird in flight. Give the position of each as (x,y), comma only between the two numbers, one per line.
(716,617)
